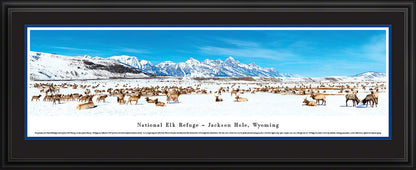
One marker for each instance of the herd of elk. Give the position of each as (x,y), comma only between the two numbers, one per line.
(173,92)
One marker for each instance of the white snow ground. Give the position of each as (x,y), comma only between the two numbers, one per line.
(285,110)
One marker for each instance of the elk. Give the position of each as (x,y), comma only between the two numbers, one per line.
(134,98)
(56,98)
(120,99)
(354,91)
(375,96)
(369,99)
(240,99)
(36,98)
(47,98)
(234,92)
(87,105)
(157,103)
(101,98)
(85,98)
(172,95)
(319,97)
(352,97)
(87,91)
(150,100)
(218,99)
(309,103)
(48,91)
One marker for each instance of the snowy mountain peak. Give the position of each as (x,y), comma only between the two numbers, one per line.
(192,60)
(194,68)
(207,61)
(143,62)
(123,57)
(370,74)
(231,60)
(253,64)
(86,56)
(189,68)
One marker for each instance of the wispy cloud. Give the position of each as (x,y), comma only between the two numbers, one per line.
(71,48)
(133,50)
(244,48)
(241,43)
(246,52)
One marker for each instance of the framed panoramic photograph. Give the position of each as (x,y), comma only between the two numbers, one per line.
(208,84)
(213,87)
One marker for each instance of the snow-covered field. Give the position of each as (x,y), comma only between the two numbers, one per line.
(286,110)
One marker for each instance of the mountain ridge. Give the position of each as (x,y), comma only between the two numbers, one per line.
(46,66)
(206,68)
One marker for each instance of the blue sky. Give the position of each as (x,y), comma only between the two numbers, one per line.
(312,53)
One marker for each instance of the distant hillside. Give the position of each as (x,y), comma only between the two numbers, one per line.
(45,66)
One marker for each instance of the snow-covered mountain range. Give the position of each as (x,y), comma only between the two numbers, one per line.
(46,66)
(363,77)
(206,68)
(370,75)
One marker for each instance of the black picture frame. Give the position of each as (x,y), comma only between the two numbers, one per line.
(239,154)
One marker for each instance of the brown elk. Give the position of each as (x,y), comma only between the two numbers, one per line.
(234,92)
(48,91)
(36,98)
(85,98)
(218,99)
(319,97)
(134,98)
(352,97)
(240,99)
(309,103)
(56,98)
(120,99)
(47,98)
(87,105)
(87,91)
(101,98)
(150,100)
(369,99)
(375,96)
(157,103)
(172,95)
